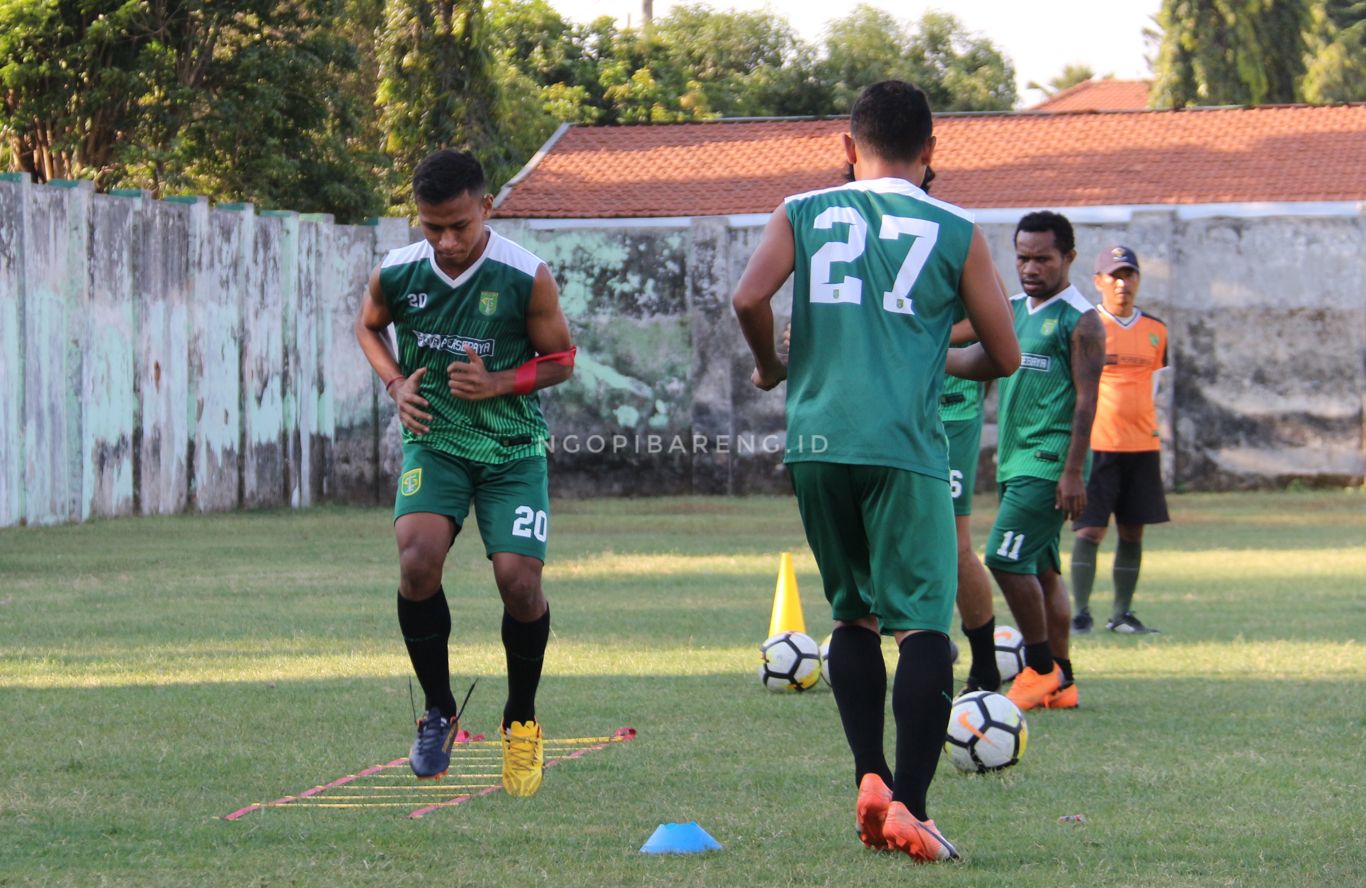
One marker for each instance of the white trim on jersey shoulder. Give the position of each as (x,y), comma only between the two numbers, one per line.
(512,254)
(887,185)
(414,252)
(1070,294)
(1076,300)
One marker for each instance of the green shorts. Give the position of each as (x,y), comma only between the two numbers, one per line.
(1024,537)
(884,542)
(511,500)
(965,440)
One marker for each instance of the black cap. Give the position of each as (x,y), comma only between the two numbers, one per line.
(1112,259)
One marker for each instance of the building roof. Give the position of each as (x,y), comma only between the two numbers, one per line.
(1099,95)
(1026,159)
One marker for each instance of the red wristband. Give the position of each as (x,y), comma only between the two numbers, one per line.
(525,381)
(392,380)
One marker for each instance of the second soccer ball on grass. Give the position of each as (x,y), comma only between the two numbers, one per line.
(791,662)
(1010,651)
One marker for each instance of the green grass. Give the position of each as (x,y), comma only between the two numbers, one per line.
(157,674)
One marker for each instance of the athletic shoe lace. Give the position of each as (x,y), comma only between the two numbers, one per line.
(522,751)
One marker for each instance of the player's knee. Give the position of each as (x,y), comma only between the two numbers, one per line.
(521,593)
(420,564)
(1094,534)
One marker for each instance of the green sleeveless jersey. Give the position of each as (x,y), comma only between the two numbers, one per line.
(485,308)
(875,285)
(961,399)
(1036,401)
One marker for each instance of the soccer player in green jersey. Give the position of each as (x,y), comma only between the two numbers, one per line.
(960,409)
(471,312)
(879,268)
(1044,433)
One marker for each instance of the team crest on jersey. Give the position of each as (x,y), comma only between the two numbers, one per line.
(1152,338)
(1049,326)
(411,482)
(488,302)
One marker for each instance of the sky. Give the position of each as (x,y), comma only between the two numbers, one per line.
(1040,38)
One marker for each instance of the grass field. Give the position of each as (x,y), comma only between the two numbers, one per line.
(158,674)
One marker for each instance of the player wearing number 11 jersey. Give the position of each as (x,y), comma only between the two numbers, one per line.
(878,269)
(1044,431)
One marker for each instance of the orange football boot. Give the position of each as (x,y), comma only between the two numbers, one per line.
(920,839)
(1030,688)
(871,810)
(1065,697)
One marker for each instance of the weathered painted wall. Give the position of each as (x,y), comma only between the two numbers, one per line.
(1266,315)
(161,356)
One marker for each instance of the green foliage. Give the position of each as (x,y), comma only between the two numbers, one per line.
(326,105)
(240,101)
(1072,74)
(958,70)
(1337,53)
(1230,52)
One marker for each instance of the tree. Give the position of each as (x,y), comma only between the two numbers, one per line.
(1230,52)
(241,103)
(1072,75)
(1337,53)
(742,62)
(957,70)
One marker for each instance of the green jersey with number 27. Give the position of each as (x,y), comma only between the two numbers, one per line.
(876,274)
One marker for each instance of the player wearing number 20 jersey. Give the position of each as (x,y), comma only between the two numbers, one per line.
(877,268)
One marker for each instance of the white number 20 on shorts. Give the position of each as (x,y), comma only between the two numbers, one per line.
(530,523)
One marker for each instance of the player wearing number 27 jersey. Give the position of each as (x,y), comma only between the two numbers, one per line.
(881,314)
(878,269)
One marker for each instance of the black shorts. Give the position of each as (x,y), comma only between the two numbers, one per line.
(1126,485)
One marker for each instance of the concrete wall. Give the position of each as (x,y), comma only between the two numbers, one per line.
(163,356)
(1266,317)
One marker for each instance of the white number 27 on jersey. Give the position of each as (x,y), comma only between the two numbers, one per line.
(849,289)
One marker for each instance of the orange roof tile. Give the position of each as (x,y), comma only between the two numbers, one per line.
(1224,155)
(1099,95)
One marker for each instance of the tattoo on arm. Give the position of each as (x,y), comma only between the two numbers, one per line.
(1088,359)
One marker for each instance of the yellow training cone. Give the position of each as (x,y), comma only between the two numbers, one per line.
(787,605)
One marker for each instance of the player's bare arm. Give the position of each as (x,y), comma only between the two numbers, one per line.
(372,332)
(768,269)
(548,332)
(997,352)
(1088,359)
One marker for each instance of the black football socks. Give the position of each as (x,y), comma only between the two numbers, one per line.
(524,646)
(921,700)
(1039,657)
(983,674)
(426,628)
(858,676)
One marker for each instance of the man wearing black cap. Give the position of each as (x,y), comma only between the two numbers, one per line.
(1126,471)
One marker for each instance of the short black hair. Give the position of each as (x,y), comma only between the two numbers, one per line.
(1047,220)
(447,173)
(892,119)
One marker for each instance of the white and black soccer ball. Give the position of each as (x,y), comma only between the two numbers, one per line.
(1010,651)
(987,732)
(791,662)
